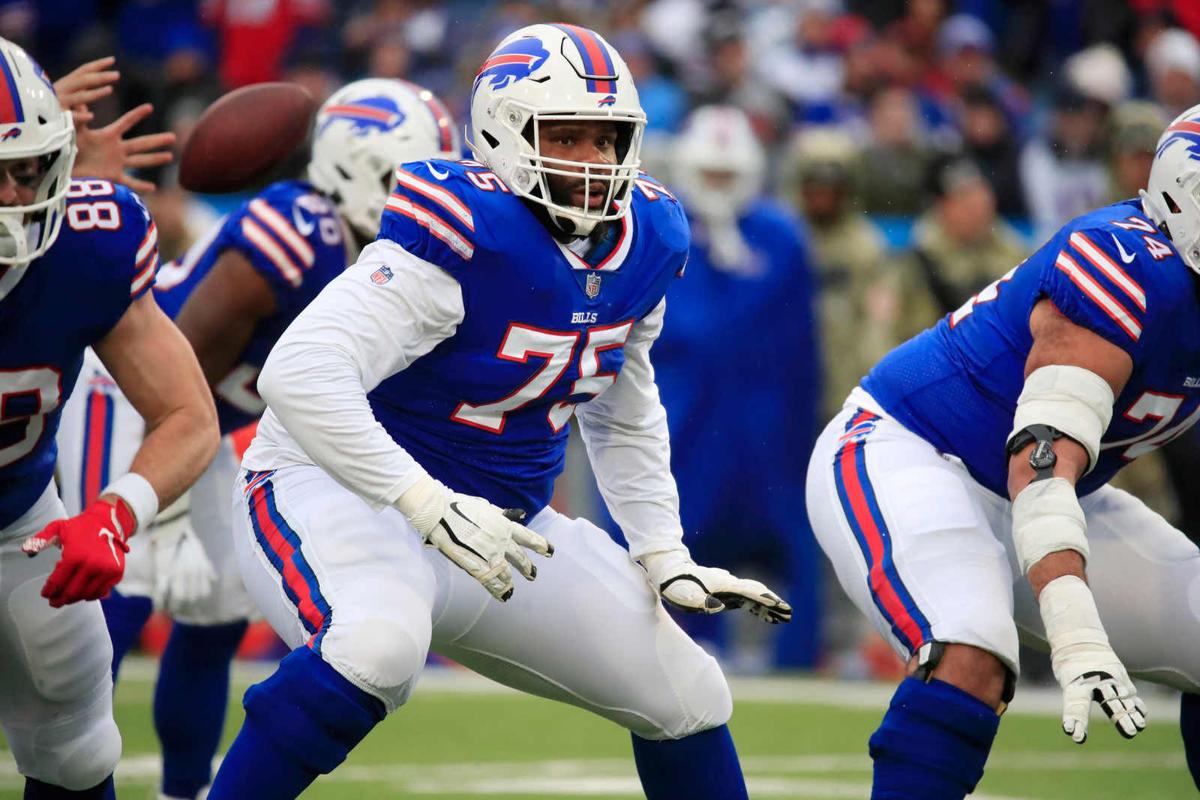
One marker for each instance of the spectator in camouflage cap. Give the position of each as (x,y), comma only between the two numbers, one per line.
(856,301)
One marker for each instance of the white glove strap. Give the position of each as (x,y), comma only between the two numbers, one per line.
(1073,400)
(139,495)
(424,503)
(1047,517)
(1071,619)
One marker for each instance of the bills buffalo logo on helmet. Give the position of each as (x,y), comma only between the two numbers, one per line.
(11,133)
(1188,130)
(511,63)
(366,114)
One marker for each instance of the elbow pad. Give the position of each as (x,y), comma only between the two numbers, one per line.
(1074,401)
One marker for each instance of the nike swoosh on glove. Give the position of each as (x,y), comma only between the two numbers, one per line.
(709,590)
(477,536)
(93,547)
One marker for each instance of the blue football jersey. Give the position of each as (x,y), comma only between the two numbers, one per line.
(487,410)
(1110,271)
(292,235)
(104,258)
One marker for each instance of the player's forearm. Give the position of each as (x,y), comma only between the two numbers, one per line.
(176,450)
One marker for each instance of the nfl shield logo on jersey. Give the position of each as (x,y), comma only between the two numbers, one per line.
(381,276)
(592,287)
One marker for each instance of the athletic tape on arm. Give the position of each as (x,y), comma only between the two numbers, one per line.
(1075,401)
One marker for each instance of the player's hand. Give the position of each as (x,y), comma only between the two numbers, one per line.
(86,84)
(708,590)
(1084,663)
(105,152)
(476,535)
(93,552)
(183,575)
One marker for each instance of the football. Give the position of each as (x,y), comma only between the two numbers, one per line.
(243,137)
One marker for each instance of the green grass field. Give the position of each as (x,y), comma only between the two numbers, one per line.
(459,738)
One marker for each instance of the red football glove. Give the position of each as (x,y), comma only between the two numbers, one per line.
(93,552)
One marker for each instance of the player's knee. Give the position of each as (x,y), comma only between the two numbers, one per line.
(972,669)
(77,755)
(702,701)
(383,655)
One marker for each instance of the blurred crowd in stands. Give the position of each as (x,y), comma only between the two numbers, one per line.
(921,148)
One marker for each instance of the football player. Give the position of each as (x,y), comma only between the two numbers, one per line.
(961,493)
(424,398)
(748,267)
(77,259)
(232,294)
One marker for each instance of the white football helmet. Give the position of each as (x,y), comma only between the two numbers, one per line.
(1172,196)
(363,132)
(718,162)
(546,73)
(33,126)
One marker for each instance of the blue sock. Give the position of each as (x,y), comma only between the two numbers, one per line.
(36,790)
(703,766)
(300,723)
(189,702)
(125,616)
(932,744)
(1189,726)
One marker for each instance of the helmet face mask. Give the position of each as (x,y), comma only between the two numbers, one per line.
(552,74)
(363,132)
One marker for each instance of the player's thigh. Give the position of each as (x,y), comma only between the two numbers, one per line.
(55,669)
(1145,575)
(590,632)
(909,539)
(211,517)
(330,573)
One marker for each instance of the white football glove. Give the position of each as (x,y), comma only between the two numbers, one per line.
(183,575)
(474,534)
(708,590)
(1084,664)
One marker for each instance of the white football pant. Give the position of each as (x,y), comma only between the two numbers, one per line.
(926,553)
(55,667)
(360,588)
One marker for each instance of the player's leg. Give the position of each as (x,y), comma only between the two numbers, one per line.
(56,695)
(591,632)
(1145,576)
(192,691)
(909,539)
(349,589)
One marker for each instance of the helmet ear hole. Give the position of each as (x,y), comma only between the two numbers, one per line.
(492,141)
(1171,204)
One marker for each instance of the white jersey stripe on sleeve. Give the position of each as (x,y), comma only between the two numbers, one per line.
(149,242)
(438,195)
(435,224)
(1101,261)
(271,249)
(145,276)
(283,229)
(1098,295)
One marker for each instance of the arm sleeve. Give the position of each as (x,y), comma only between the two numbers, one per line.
(625,432)
(375,319)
